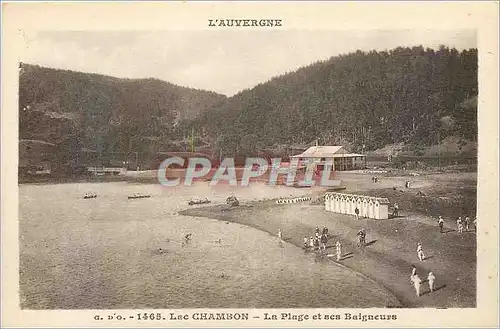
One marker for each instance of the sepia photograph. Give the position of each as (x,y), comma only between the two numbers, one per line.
(248,166)
(397,117)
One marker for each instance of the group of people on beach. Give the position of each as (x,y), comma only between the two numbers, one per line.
(462,224)
(415,279)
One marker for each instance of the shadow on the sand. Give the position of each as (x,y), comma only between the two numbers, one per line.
(448,231)
(435,289)
(370,243)
(347,257)
(428,257)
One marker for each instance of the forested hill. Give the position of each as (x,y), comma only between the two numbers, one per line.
(81,110)
(413,96)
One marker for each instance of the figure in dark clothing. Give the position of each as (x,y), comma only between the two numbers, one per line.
(441,224)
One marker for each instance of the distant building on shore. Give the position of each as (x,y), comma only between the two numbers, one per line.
(338,155)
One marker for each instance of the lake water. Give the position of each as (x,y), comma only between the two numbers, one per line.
(103,253)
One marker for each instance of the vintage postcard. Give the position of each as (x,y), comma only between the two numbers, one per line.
(250,164)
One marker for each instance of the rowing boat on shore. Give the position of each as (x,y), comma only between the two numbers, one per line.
(139,196)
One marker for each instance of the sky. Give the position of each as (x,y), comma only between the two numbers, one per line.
(222,61)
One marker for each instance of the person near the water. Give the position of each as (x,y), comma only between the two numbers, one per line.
(324,231)
(356,213)
(467,223)
(338,247)
(316,230)
(441,224)
(431,278)
(280,234)
(420,252)
(311,243)
(416,283)
(306,242)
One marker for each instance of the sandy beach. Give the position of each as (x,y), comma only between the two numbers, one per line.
(392,243)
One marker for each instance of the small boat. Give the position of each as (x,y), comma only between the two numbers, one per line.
(195,202)
(139,196)
(90,196)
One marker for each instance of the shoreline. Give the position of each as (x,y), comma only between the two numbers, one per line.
(389,270)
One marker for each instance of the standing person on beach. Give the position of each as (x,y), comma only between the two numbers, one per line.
(362,237)
(417,282)
(338,246)
(356,213)
(467,223)
(280,235)
(441,224)
(306,242)
(324,231)
(431,278)
(459,225)
(413,271)
(420,252)
(311,243)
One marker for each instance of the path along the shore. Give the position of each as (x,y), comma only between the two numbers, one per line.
(390,253)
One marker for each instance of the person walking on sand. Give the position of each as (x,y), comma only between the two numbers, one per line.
(311,243)
(416,283)
(356,213)
(431,278)
(467,223)
(420,252)
(338,246)
(395,213)
(441,224)
(306,242)
(280,235)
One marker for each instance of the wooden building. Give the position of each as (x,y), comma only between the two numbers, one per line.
(338,155)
